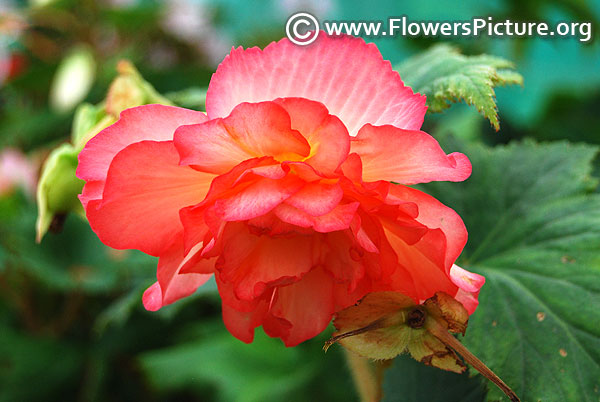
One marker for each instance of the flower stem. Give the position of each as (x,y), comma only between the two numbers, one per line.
(367,375)
(443,335)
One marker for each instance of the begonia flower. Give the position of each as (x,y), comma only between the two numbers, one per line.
(282,190)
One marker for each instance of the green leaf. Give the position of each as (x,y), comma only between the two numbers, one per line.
(445,76)
(262,371)
(23,358)
(74,260)
(411,381)
(534,233)
(191,98)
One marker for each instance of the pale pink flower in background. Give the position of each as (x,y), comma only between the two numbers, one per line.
(192,22)
(16,171)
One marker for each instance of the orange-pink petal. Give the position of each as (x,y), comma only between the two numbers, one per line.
(469,284)
(252,262)
(328,137)
(344,73)
(307,306)
(407,157)
(434,214)
(317,198)
(149,122)
(250,131)
(172,285)
(145,189)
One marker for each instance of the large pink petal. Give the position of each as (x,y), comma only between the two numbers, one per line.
(407,157)
(347,75)
(149,122)
(252,130)
(145,189)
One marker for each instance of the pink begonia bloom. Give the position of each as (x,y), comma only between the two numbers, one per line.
(282,190)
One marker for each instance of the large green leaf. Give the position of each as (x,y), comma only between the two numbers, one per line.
(36,368)
(209,358)
(411,381)
(534,232)
(444,76)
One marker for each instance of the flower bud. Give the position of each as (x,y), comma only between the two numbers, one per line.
(58,188)
(73,79)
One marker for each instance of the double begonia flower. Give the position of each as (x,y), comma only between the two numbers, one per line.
(282,190)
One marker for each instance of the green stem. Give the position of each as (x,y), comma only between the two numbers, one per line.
(367,375)
(443,335)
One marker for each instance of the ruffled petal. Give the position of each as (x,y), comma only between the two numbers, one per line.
(252,262)
(387,272)
(172,285)
(339,218)
(250,131)
(305,308)
(149,122)
(145,189)
(469,285)
(326,134)
(352,168)
(316,198)
(346,262)
(241,324)
(407,157)
(198,218)
(257,199)
(430,262)
(344,73)
(421,265)
(92,190)
(434,214)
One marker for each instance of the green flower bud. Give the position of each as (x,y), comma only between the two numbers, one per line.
(58,188)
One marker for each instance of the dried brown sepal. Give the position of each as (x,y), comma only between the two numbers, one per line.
(375,327)
(446,309)
(432,352)
(385,324)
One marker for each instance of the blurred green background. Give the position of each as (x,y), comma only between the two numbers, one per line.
(72,326)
